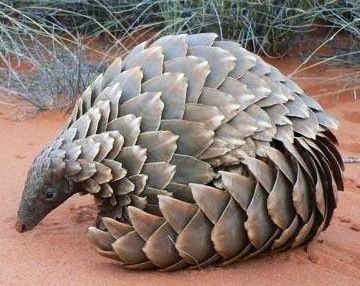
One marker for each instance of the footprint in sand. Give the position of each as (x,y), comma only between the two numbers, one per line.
(355,227)
(344,219)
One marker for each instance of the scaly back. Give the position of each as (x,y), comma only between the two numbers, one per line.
(198,152)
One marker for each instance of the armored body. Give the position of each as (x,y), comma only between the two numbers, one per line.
(197,152)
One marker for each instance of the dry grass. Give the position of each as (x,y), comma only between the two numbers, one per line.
(47,48)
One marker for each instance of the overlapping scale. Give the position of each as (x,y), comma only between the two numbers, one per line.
(198,153)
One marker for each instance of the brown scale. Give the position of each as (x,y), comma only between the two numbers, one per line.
(197,152)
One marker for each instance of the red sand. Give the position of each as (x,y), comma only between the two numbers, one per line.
(58,252)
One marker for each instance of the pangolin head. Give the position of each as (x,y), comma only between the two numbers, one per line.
(45,189)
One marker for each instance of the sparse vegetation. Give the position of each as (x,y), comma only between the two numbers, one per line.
(47,47)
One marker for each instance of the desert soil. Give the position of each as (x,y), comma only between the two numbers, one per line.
(58,252)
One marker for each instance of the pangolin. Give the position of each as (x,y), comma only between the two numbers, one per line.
(197,153)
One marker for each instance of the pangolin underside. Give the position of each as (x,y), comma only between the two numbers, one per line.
(198,153)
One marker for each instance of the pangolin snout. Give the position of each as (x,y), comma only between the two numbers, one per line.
(20,227)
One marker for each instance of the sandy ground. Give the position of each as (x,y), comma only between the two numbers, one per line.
(57,252)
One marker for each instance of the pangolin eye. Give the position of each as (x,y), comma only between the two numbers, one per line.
(49,194)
